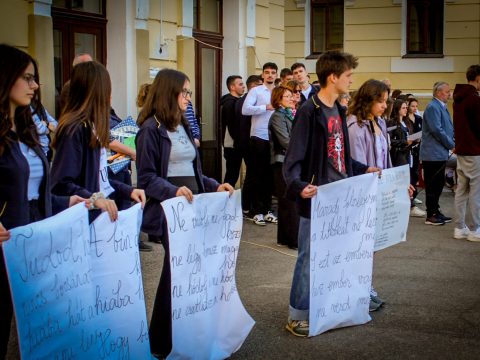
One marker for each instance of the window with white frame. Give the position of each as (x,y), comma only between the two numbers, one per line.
(424,28)
(326,25)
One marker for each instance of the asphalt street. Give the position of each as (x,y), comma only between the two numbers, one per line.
(431,284)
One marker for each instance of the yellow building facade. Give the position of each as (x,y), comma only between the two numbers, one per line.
(212,39)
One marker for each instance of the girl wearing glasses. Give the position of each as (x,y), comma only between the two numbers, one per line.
(24,182)
(279,128)
(83,133)
(168,165)
(296,91)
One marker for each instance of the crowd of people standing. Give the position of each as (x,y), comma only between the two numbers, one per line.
(293,136)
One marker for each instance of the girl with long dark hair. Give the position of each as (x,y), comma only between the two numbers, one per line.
(24,182)
(168,165)
(83,134)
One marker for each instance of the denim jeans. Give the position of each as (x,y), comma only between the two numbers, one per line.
(300,292)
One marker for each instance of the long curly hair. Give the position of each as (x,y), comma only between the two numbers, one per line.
(370,92)
(13,63)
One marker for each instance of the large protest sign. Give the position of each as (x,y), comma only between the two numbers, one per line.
(208,318)
(393,207)
(77,290)
(341,253)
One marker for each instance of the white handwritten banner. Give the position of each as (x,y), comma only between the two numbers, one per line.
(341,253)
(393,207)
(208,318)
(77,290)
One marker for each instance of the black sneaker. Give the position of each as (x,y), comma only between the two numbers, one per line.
(446,219)
(144,247)
(434,220)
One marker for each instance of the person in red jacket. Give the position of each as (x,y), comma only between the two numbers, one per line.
(466,120)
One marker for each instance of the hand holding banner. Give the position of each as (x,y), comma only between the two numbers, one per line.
(208,318)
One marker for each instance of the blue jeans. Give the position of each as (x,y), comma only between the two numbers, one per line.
(300,292)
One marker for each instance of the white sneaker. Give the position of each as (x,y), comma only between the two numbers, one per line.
(461,233)
(417,201)
(474,235)
(417,212)
(271,218)
(259,220)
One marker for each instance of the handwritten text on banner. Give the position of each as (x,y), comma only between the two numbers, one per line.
(393,207)
(341,253)
(78,290)
(208,318)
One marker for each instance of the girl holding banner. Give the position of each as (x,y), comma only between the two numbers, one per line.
(367,133)
(168,165)
(83,133)
(25,183)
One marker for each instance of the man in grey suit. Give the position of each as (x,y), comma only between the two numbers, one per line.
(437,140)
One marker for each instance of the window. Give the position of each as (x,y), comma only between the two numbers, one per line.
(326,26)
(207,15)
(424,28)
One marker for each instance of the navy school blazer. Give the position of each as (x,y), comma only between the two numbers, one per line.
(75,167)
(153,154)
(15,172)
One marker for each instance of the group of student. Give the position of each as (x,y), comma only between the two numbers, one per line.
(308,146)
(168,163)
(304,135)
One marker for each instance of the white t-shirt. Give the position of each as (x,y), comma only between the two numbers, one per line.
(182,153)
(105,186)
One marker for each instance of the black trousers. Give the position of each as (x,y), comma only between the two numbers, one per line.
(288,218)
(160,331)
(233,162)
(247,183)
(261,175)
(434,176)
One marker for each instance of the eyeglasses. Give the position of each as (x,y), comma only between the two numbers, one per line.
(30,79)
(186,93)
(287,96)
(296,91)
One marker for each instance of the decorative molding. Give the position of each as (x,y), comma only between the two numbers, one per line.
(349,3)
(142,9)
(418,65)
(185,31)
(300,3)
(141,24)
(397,2)
(42,7)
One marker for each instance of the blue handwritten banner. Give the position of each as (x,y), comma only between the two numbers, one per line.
(77,290)
(342,235)
(208,318)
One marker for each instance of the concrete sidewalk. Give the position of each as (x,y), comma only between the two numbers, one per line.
(431,284)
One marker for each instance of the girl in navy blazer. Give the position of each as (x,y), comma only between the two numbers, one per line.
(80,166)
(164,137)
(24,182)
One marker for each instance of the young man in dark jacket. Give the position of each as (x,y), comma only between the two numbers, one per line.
(230,128)
(466,121)
(318,153)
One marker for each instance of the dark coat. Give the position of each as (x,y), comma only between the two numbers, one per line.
(466,120)
(227,117)
(313,91)
(14,170)
(244,125)
(399,148)
(153,154)
(75,167)
(307,153)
